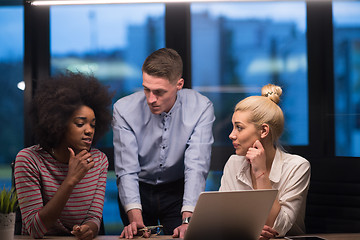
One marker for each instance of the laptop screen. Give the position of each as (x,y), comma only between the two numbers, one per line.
(230,215)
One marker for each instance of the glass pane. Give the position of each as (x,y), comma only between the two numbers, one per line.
(346,22)
(239,47)
(12,88)
(109,41)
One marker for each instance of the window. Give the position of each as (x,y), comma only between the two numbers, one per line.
(346,23)
(109,41)
(12,86)
(239,47)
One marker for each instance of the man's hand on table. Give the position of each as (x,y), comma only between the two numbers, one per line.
(136,222)
(179,232)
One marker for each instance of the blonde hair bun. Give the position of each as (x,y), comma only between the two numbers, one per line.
(272,92)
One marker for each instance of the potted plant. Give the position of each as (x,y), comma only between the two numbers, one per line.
(8,206)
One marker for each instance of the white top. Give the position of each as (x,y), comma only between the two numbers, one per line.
(290,175)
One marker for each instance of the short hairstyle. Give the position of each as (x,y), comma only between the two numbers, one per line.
(165,63)
(57,98)
(265,109)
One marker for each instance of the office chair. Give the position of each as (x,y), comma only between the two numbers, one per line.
(333,202)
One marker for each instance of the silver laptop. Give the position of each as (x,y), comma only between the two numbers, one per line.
(230,215)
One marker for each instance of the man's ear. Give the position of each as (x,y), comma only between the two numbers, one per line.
(265,130)
(180,84)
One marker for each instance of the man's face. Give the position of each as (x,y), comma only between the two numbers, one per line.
(160,93)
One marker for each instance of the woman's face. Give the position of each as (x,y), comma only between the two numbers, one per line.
(80,129)
(244,133)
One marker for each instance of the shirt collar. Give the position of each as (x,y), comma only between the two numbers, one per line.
(244,172)
(174,107)
(275,172)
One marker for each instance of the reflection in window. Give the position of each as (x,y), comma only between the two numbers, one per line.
(239,47)
(12,86)
(346,23)
(109,41)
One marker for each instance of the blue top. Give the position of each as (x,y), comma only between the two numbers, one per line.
(162,148)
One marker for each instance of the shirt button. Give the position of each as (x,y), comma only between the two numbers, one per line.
(160,165)
(163,147)
(165,129)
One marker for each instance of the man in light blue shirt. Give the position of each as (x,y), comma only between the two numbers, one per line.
(162,145)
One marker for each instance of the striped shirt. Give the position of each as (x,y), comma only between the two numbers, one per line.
(38,176)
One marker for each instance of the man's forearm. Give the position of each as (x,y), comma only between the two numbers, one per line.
(135,215)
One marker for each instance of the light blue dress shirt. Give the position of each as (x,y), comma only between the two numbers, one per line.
(162,148)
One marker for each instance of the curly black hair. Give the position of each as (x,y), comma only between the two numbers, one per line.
(57,98)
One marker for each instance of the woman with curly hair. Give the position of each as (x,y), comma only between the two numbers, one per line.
(260,162)
(61,181)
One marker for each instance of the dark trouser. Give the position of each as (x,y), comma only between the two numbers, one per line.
(162,203)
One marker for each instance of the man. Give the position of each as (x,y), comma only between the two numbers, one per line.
(162,143)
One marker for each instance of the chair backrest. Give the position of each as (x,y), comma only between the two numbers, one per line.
(333,203)
(18,220)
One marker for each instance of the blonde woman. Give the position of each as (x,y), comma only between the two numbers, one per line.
(260,162)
